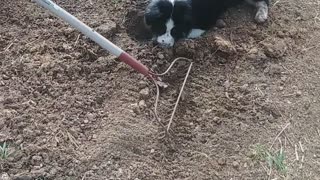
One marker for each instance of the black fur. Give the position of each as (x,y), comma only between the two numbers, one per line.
(186,15)
(157,15)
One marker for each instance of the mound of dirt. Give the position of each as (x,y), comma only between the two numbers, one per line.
(135,26)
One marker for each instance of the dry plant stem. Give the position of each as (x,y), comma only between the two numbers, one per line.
(169,68)
(156,104)
(84,176)
(78,37)
(284,128)
(176,105)
(301,147)
(158,92)
(8,47)
(276,3)
(296,152)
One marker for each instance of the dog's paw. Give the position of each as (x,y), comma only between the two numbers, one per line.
(262,15)
(195,33)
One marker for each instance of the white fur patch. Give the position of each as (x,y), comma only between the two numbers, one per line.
(195,33)
(262,12)
(166,39)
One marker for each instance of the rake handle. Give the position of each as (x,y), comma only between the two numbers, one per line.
(95,36)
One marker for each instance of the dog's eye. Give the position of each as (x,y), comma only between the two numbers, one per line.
(176,33)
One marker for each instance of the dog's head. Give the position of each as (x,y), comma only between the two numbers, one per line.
(169,20)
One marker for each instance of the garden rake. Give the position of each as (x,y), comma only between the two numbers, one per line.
(118,52)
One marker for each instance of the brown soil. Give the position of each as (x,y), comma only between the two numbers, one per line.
(69,110)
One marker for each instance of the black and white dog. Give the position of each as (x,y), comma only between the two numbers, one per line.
(171,20)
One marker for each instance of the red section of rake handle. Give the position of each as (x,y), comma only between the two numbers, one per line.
(135,64)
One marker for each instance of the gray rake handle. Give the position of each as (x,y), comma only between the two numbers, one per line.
(96,37)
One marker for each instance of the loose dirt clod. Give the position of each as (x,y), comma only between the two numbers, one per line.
(221,24)
(276,48)
(136,27)
(235,164)
(5,176)
(107,29)
(142,104)
(135,107)
(185,49)
(144,93)
(224,45)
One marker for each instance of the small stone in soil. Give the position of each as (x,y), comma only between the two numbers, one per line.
(144,93)
(5,176)
(298,93)
(108,28)
(135,107)
(221,161)
(142,84)
(221,24)
(244,87)
(90,116)
(235,164)
(217,120)
(160,56)
(142,104)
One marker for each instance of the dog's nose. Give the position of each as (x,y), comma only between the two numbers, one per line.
(161,43)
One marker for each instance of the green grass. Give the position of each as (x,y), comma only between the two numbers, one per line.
(273,159)
(4,151)
(277,160)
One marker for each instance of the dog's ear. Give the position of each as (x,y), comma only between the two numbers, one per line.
(151,16)
(157,10)
(182,11)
